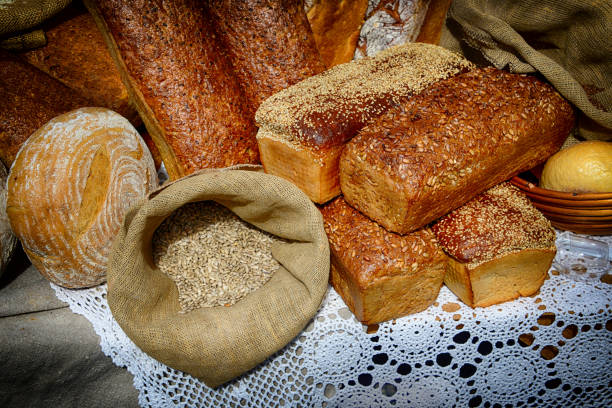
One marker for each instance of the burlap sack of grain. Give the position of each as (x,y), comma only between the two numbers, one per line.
(19,19)
(569,42)
(217,344)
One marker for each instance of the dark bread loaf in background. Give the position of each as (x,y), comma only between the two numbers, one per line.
(381,275)
(449,143)
(178,72)
(76,55)
(269,42)
(500,247)
(198,70)
(29,98)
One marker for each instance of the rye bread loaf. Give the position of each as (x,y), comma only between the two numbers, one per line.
(304,128)
(454,140)
(500,247)
(381,275)
(181,79)
(76,55)
(28,99)
(269,43)
(69,188)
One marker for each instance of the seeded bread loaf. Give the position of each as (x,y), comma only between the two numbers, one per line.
(69,188)
(28,99)
(379,274)
(500,247)
(76,55)
(180,76)
(304,128)
(451,142)
(269,42)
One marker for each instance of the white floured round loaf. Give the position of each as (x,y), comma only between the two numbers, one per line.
(8,241)
(69,188)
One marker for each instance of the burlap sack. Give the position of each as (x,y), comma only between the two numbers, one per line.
(568,42)
(19,18)
(220,343)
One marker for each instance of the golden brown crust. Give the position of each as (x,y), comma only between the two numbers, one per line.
(499,221)
(179,72)
(451,142)
(28,99)
(328,109)
(76,55)
(269,43)
(372,268)
(336,25)
(431,30)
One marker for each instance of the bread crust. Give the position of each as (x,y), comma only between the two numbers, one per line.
(28,99)
(90,167)
(320,114)
(449,143)
(500,247)
(76,55)
(269,43)
(181,79)
(379,274)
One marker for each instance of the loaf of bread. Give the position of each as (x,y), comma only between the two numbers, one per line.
(69,188)
(28,99)
(379,274)
(180,76)
(304,128)
(76,55)
(336,26)
(8,241)
(500,247)
(389,23)
(451,142)
(269,42)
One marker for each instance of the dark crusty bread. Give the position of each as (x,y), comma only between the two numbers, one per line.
(304,128)
(269,42)
(451,142)
(76,55)
(500,245)
(181,78)
(379,274)
(28,99)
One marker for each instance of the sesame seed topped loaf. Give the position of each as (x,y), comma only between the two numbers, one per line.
(304,127)
(379,274)
(500,247)
(449,143)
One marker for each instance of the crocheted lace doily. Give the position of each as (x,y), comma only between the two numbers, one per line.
(549,350)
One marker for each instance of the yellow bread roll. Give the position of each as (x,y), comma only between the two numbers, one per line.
(69,188)
(585,167)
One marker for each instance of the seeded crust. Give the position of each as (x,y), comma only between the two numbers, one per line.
(497,222)
(328,109)
(379,274)
(449,143)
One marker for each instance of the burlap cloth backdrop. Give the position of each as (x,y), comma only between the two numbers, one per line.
(217,344)
(568,41)
(19,20)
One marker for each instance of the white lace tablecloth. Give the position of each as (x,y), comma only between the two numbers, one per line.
(550,350)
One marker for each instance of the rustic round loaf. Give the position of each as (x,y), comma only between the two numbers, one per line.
(8,241)
(69,188)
